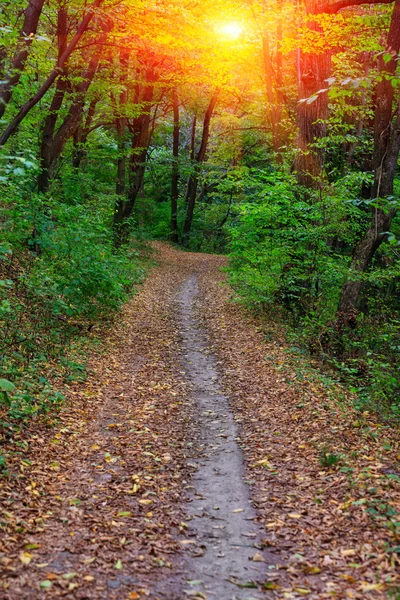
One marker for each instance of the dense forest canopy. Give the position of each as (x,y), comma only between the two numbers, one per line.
(269,130)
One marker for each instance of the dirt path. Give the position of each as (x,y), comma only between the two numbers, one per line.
(140,488)
(222,517)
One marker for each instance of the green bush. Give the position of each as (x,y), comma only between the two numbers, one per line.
(290,253)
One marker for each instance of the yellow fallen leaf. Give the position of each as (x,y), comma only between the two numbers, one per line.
(145,501)
(72,586)
(294,515)
(25,558)
(258,557)
(238,510)
(262,462)
(302,591)
(370,587)
(310,570)
(348,552)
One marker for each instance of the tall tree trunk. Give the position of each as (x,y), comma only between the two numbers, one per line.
(46,160)
(53,143)
(312,109)
(279,83)
(386,154)
(273,109)
(81,133)
(31,20)
(140,130)
(121,128)
(193,138)
(194,178)
(175,169)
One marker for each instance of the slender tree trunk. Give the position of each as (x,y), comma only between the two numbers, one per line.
(46,159)
(81,133)
(140,130)
(194,179)
(279,84)
(121,128)
(53,143)
(31,19)
(175,169)
(193,138)
(386,154)
(273,110)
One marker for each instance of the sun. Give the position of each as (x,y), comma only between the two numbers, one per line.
(231,30)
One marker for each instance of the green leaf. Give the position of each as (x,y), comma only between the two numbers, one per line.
(46,584)
(6,386)
(118,564)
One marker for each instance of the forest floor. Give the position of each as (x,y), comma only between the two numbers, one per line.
(200,460)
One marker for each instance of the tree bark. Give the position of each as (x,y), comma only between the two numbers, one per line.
(31,20)
(175,169)
(121,128)
(81,133)
(194,178)
(312,110)
(274,109)
(140,130)
(53,143)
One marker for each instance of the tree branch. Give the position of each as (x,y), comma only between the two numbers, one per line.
(53,75)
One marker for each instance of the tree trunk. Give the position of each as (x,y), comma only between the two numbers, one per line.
(121,128)
(46,159)
(312,110)
(175,170)
(140,130)
(273,109)
(53,143)
(81,133)
(31,20)
(386,154)
(194,179)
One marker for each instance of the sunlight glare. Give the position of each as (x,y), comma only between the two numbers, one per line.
(231,30)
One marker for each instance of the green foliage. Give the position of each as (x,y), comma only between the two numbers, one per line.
(328,459)
(290,254)
(60,275)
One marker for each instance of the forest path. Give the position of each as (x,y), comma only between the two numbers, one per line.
(222,517)
(99,509)
(139,489)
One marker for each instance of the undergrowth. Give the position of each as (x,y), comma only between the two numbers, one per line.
(289,256)
(61,281)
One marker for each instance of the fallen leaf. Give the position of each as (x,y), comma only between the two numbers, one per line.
(25,558)
(258,557)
